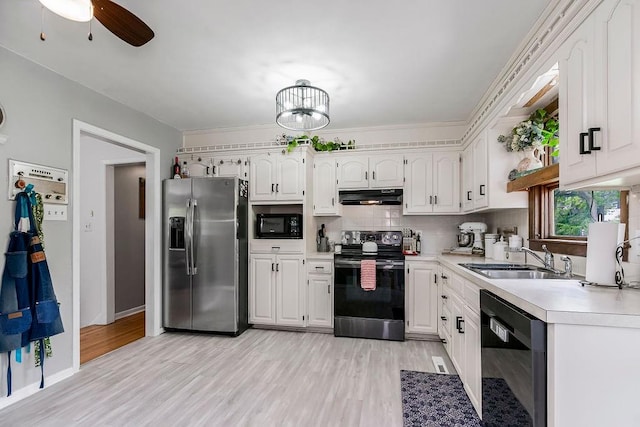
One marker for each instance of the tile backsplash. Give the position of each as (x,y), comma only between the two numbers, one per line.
(439,231)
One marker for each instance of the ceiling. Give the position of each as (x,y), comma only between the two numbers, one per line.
(219,63)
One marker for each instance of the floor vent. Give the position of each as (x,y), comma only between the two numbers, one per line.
(438,362)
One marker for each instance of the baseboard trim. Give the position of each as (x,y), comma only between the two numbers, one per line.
(421,337)
(130,312)
(34,388)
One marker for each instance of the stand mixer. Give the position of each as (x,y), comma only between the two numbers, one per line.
(470,239)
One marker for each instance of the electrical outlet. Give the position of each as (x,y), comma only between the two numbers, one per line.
(55,212)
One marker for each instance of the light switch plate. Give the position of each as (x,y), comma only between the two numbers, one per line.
(55,212)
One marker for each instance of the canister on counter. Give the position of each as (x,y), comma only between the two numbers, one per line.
(489,240)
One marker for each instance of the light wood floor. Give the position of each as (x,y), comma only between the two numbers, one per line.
(261,378)
(96,340)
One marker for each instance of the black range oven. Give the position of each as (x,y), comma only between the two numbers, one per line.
(377,313)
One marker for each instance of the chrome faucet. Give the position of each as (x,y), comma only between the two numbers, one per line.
(548,261)
(548,257)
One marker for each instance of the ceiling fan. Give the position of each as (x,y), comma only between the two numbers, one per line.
(114,17)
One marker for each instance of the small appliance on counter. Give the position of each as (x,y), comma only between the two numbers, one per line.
(470,239)
(322,242)
(278,226)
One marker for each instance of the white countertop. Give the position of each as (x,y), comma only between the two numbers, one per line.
(320,255)
(557,301)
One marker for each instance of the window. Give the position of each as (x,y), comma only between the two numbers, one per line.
(560,219)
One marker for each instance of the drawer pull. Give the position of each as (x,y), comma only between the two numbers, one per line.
(444,297)
(319,267)
(444,319)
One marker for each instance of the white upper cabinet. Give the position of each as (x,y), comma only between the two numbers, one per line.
(376,171)
(467,179)
(618,25)
(290,177)
(432,183)
(385,171)
(599,92)
(480,178)
(353,172)
(277,176)
(475,174)
(576,103)
(325,190)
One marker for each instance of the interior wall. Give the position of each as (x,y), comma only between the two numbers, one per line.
(40,106)
(370,135)
(129,239)
(95,154)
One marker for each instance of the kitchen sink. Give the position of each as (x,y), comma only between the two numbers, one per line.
(513,271)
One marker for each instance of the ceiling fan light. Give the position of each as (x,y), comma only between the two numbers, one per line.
(302,107)
(75,10)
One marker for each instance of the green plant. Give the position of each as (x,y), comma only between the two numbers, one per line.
(538,130)
(318,144)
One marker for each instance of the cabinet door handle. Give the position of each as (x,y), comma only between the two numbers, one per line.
(273,267)
(214,169)
(366,175)
(592,145)
(583,135)
(443,277)
(272,187)
(333,201)
(482,189)
(443,341)
(277,188)
(469,195)
(328,289)
(430,200)
(435,200)
(278,267)
(444,319)
(459,324)
(373,174)
(444,297)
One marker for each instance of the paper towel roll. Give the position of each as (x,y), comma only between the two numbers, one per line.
(601,252)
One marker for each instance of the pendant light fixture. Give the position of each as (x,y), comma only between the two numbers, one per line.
(75,10)
(302,107)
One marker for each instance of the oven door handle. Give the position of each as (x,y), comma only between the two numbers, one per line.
(384,264)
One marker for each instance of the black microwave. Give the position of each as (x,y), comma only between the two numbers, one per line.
(279,226)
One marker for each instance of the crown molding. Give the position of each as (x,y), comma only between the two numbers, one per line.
(556,23)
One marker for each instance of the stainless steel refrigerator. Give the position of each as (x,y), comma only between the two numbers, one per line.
(205,272)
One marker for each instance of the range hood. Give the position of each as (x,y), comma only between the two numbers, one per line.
(371,197)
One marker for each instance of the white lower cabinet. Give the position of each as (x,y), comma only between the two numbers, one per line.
(320,293)
(472,368)
(262,290)
(276,290)
(421,297)
(459,329)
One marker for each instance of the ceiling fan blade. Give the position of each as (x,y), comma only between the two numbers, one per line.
(122,23)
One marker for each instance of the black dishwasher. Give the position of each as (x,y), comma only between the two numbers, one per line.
(514,364)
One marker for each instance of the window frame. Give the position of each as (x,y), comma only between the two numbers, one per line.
(540,219)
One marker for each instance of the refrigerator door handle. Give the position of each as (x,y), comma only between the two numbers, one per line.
(187,239)
(194,234)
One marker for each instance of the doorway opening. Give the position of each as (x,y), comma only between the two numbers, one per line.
(124,215)
(98,158)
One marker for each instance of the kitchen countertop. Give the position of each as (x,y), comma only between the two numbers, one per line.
(557,301)
(320,255)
